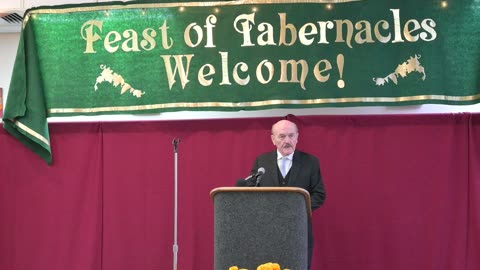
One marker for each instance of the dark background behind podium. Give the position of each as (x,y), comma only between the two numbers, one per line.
(403,192)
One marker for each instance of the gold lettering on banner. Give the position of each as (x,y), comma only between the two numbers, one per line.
(349,27)
(225,77)
(244,68)
(341,64)
(396,24)
(243,25)
(209,25)
(182,70)
(89,34)
(111,40)
(409,32)
(288,71)
(384,25)
(394,30)
(204,78)
(305,31)
(131,44)
(365,29)
(128,41)
(254,33)
(283,31)
(270,71)
(294,71)
(253,30)
(323,31)
(149,42)
(266,34)
(167,42)
(318,71)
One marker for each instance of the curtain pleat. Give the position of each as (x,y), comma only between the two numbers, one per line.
(402,192)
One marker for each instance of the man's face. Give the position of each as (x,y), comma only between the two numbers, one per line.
(284,137)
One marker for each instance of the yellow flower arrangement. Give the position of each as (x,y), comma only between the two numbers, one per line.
(265,266)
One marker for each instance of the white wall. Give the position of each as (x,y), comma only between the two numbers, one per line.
(10,5)
(8,49)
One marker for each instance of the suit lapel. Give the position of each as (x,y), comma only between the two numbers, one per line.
(274,168)
(295,168)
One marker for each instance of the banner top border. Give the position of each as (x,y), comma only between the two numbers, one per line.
(122,5)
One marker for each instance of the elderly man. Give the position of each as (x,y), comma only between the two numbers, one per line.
(287,166)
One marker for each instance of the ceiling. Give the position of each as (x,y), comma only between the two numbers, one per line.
(12,11)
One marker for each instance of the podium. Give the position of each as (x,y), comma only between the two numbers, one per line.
(257,225)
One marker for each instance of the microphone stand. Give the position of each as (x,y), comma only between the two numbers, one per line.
(175,142)
(257,183)
(257,180)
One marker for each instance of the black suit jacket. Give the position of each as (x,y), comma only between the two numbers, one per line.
(305,173)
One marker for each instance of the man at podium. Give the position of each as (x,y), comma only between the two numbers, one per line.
(287,166)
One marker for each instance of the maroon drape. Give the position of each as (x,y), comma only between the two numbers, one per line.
(402,192)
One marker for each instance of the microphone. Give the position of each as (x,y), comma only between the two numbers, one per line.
(260,171)
(251,180)
(259,175)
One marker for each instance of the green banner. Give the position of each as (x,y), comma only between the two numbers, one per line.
(116,57)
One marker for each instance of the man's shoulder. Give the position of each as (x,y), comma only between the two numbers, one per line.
(305,155)
(267,154)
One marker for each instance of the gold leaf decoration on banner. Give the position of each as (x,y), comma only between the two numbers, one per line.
(116,80)
(403,70)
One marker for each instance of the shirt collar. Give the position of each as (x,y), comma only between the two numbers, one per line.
(279,156)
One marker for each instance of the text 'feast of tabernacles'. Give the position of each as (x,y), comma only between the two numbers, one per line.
(253,33)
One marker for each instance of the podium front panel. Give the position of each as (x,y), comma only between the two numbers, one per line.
(253,228)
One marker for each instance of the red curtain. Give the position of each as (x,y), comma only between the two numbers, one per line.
(402,192)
